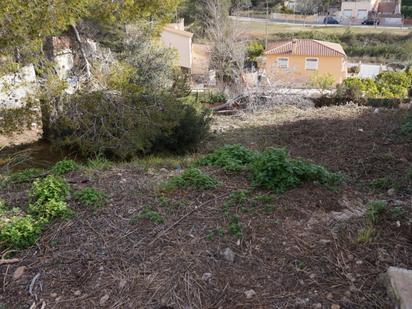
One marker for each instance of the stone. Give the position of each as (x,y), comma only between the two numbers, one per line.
(122,283)
(335,306)
(77,293)
(317,306)
(399,286)
(54,295)
(228,255)
(206,276)
(391,192)
(18,273)
(250,293)
(329,296)
(104,299)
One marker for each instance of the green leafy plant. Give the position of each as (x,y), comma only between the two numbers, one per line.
(218,232)
(49,188)
(274,169)
(376,209)
(50,210)
(229,157)
(149,214)
(192,177)
(20,231)
(64,167)
(236,199)
(90,197)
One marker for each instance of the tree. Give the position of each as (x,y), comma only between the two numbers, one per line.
(323,82)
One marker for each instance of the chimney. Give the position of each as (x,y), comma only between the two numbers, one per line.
(294,46)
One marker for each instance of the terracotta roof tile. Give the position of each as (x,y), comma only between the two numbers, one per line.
(306,47)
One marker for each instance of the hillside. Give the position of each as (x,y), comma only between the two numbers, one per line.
(232,244)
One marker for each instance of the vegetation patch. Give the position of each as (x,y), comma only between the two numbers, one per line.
(375,210)
(49,188)
(90,197)
(26,175)
(151,215)
(274,169)
(382,183)
(230,157)
(194,178)
(64,167)
(20,231)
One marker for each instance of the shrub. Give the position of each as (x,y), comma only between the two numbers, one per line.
(151,215)
(366,234)
(193,177)
(230,157)
(275,170)
(376,209)
(49,188)
(64,167)
(123,126)
(50,210)
(20,231)
(90,197)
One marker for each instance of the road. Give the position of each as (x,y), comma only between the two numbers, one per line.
(308,24)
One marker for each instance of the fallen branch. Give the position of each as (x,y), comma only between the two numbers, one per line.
(77,35)
(8,261)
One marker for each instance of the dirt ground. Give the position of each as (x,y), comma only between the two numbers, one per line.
(300,250)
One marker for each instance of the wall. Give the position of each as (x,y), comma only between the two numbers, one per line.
(296,74)
(183,45)
(355,7)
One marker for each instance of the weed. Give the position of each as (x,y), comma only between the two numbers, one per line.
(3,207)
(49,188)
(409,173)
(90,197)
(382,183)
(192,177)
(269,208)
(237,198)
(366,234)
(235,227)
(218,232)
(274,169)
(23,176)
(300,265)
(397,213)
(151,215)
(163,201)
(388,156)
(375,210)
(20,231)
(229,157)
(98,163)
(50,210)
(264,198)
(64,167)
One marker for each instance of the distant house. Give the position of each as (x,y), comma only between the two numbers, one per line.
(297,61)
(356,11)
(175,36)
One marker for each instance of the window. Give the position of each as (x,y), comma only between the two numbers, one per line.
(311,63)
(347,13)
(362,14)
(283,63)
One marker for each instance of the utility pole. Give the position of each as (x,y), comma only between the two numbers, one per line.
(267,24)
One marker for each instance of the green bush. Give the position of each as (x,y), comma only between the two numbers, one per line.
(49,188)
(64,167)
(123,126)
(376,209)
(151,215)
(275,170)
(230,157)
(20,231)
(51,209)
(192,177)
(90,197)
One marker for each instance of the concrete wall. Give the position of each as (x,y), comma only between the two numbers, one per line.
(357,10)
(183,45)
(296,74)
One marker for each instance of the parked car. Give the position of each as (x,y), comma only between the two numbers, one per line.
(371,21)
(330,20)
